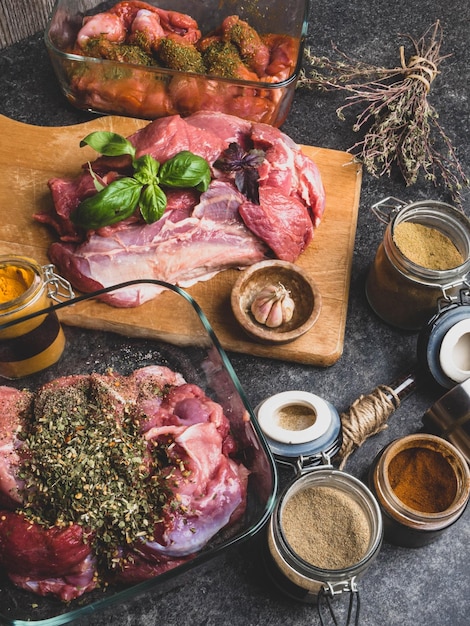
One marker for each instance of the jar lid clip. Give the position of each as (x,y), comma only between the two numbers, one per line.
(58,288)
(329,590)
(386,208)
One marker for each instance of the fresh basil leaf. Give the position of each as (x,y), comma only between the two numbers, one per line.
(245,166)
(231,159)
(152,203)
(114,203)
(246,181)
(185,169)
(146,169)
(108,143)
(96,181)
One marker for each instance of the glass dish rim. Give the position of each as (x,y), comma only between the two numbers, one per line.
(133,591)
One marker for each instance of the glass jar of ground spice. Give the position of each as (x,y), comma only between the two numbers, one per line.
(422,484)
(424,257)
(29,346)
(325,531)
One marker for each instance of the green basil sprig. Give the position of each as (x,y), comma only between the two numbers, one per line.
(118,200)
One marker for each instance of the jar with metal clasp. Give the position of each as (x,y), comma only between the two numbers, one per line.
(29,342)
(326,528)
(401,291)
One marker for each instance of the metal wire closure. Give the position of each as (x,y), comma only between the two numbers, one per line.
(328,591)
(58,288)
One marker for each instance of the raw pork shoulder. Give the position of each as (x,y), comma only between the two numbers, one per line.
(199,234)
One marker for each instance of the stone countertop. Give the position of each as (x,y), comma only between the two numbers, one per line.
(423,587)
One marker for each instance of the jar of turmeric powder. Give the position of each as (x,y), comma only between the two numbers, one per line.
(424,258)
(27,344)
(422,484)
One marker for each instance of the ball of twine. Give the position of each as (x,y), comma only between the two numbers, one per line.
(367,416)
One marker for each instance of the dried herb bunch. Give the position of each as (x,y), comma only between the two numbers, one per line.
(400,125)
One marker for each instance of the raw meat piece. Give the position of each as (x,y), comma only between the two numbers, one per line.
(165,137)
(191,437)
(46,561)
(228,128)
(214,491)
(182,252)
(15,410)
(279,220)
(198,236)
(287,168)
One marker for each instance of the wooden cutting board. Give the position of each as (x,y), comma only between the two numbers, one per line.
(30,155)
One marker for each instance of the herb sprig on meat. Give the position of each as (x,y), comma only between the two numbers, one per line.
(245,165)
(120,199)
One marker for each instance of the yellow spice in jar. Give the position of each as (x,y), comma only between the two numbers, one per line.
(14,281)
(426,246)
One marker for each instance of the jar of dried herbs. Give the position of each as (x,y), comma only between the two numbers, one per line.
(424,257)
(325,531)
(422,484)
(29,343)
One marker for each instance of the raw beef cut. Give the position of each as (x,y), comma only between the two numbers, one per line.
(197,237)
(54,561)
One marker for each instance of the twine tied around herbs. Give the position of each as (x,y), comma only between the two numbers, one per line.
(418,67)
(365,417)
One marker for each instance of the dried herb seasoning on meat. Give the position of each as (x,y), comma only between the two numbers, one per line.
(86,466)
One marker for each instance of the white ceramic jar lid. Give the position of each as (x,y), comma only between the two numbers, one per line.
(322,435)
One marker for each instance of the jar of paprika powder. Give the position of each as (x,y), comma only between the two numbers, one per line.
(424,258)
(28,344)
(422,484)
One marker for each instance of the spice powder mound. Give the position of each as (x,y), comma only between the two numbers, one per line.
(326,527)
(296,417)
(423,480)
(426,246)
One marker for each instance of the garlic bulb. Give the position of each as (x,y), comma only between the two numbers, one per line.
(273,306)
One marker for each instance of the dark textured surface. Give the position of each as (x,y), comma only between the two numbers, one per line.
(423,587)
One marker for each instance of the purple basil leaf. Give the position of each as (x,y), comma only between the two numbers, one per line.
(246,181)
(245,165)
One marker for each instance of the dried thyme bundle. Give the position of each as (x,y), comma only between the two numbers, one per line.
(401,126)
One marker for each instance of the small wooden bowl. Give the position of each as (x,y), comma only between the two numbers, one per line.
(303,291)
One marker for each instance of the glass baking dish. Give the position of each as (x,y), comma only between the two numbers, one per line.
(149,92)
(200,360)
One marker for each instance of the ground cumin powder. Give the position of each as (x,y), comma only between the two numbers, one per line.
(296,417)
(426,246)
(326,527)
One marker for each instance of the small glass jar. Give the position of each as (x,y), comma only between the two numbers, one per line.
(36,343)
(416,513)
(301,579)
(300,425)
(401,292)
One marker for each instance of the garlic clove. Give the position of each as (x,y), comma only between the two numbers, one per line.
(261,308)
(288,306)
(275,317)
(273,306)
